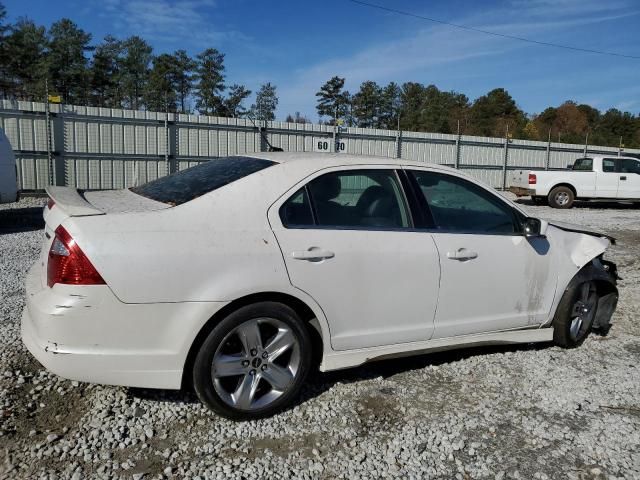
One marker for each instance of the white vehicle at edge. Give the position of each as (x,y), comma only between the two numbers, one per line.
(590,178)
(238,275)
(8,180)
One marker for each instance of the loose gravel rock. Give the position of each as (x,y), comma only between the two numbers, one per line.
(514,412)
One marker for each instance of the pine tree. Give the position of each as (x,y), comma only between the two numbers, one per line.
(160,94)
(233,103)
(137,56)
(266,103)
(183,77)
(333,100)
(68,72)
(411,104)
(210,82)
(105,83)
(26,61)
(366,105)
(5,81)
(389,107)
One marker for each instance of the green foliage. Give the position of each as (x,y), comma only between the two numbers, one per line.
(105,73)
(67,62)
(25,69)
(333,101)
(210,82)
(137,56)
(494,114)
(160,94)
(366,105)
(233,103)
(266,103)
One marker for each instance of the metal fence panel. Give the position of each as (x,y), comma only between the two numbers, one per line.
(104,148)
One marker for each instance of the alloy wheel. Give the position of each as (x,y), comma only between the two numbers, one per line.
(255,363)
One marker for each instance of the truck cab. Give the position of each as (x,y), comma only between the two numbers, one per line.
(589,178)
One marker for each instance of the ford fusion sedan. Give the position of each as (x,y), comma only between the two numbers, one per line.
(239,276)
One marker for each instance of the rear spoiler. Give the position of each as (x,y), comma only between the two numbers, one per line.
(72,202)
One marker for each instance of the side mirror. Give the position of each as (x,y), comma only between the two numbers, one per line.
(570,166)
(534,227)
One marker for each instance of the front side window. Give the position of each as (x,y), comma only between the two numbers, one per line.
(349,199)
(608,165)
(458,205)
(628,165)
(583,164)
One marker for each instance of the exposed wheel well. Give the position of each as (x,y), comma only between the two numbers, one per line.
(302,309)
(568,185)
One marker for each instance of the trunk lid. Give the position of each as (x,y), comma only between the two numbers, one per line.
(70,202)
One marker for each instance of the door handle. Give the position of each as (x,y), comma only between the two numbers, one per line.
(313,254)
(624,177)
(462,254)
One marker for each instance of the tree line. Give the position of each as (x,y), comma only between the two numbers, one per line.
(126,73)
(118,73)
(425,108)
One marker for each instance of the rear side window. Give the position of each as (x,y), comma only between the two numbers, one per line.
(194,182)
(360,199)
(296,212)
(583,164)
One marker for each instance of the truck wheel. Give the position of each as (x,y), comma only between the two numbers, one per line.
(561,197)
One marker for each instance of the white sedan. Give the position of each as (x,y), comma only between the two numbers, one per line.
(238,276)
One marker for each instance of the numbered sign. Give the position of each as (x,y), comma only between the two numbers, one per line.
(325,145)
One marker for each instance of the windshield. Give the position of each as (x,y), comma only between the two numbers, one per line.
(193,182)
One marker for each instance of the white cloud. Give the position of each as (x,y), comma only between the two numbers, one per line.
(179,22)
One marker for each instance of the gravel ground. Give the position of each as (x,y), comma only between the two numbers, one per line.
(523,412)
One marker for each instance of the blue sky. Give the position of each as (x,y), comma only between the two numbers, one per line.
(298,45)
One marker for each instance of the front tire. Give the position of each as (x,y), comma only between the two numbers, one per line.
(575,314)
(254,362)
(561,197)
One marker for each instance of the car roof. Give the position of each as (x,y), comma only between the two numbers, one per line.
(327,160)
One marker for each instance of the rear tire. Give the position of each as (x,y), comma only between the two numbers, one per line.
(561,197)
(575,314)
(254,362)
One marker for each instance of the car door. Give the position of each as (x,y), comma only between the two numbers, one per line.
(492,277)
(607,180)
(347,241)
(629,178)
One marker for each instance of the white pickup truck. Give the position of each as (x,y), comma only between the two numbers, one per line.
(590,178)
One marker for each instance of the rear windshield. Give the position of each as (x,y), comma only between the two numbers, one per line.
(583,164)
(193,182)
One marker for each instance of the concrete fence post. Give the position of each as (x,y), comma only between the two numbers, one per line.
(399,144)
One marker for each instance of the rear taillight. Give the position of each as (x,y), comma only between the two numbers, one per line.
(532,179)
(50,203)
(68,264)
